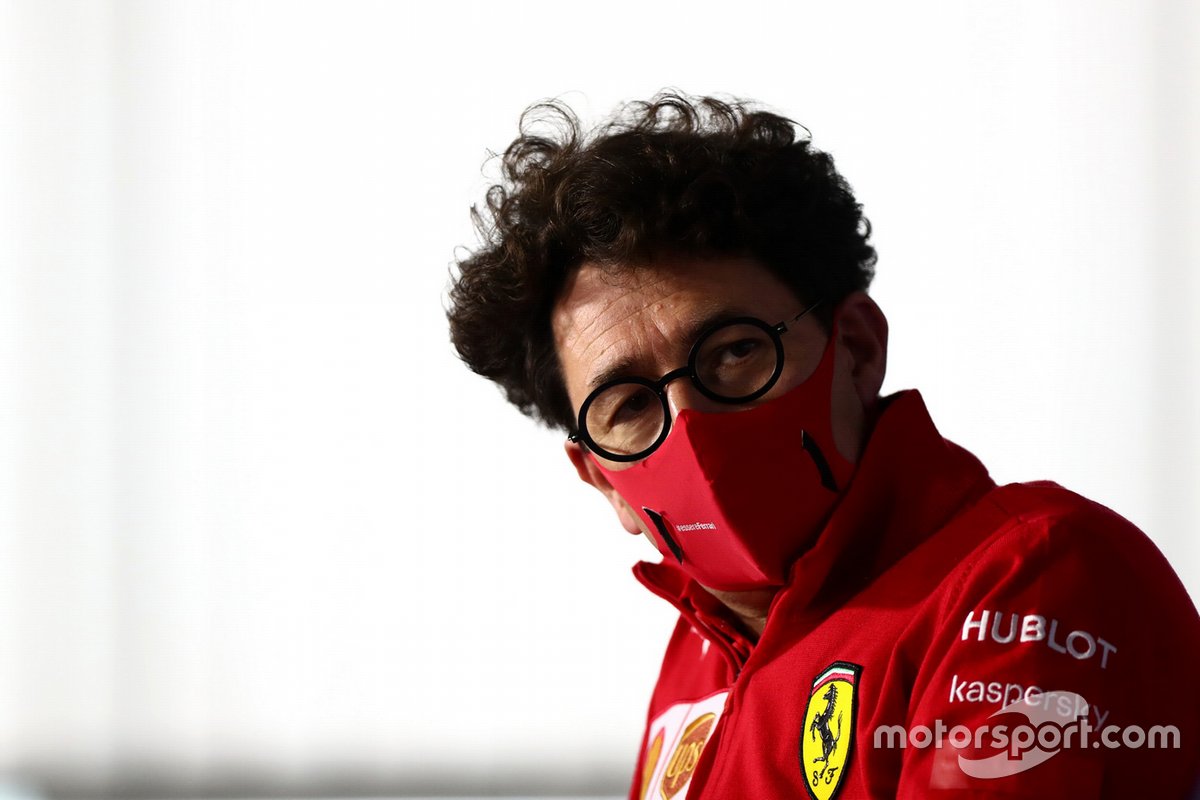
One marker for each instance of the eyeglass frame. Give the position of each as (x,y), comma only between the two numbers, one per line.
(659,386)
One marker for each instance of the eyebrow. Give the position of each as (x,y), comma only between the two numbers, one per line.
(624,367)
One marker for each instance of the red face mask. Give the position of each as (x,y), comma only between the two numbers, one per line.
(735,497)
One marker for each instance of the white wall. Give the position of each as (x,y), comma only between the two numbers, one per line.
(258,527)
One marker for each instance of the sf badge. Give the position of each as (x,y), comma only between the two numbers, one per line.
(828,732)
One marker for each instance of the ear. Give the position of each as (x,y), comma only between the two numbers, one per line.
(863,332)
(590,473)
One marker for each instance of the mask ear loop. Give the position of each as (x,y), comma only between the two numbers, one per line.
(807,442)
(814,452)
(661,524)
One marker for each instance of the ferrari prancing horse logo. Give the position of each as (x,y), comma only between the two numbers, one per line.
(828,732)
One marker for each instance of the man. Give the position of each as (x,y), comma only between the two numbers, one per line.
(863,611)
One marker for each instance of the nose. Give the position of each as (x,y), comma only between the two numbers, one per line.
(683,394)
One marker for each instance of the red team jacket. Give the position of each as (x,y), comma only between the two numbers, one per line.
(936,601)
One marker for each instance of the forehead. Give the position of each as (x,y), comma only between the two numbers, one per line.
(645,316)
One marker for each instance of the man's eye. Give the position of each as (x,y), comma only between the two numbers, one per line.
(736,351)
(634,406)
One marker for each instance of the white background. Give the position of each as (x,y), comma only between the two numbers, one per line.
(259,529)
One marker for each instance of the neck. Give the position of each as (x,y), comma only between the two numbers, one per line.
(750,608)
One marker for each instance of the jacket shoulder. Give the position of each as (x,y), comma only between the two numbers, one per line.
(1053,533)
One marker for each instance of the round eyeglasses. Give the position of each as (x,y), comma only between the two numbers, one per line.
(735,361)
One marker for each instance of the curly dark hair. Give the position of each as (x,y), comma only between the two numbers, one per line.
(670,176)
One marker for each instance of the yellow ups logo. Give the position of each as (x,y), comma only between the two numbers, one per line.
(687,755)
(828,732)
